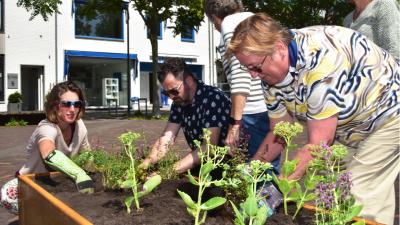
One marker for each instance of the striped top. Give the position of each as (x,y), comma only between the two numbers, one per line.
(339,71)
(239,80)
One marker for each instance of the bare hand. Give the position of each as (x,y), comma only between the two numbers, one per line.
(232,139)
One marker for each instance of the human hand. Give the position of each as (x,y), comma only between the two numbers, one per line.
(232,139)
(84,183)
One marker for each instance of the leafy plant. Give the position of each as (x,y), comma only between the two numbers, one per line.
(131,181)
(334,201)
(14,122)
(291,189)
(111,166)
(253,174)
(210,158)
(16,97)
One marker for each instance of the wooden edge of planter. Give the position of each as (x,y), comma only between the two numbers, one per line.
(38,207)
(367,222)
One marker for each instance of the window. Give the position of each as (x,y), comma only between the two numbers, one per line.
(188,35)
(1,77)
(2,16)
(159,34)
(102,25)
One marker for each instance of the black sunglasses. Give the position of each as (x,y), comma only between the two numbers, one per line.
(173,91)
(68,104)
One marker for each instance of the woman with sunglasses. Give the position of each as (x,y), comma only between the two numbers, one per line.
(57,138)
(344,86)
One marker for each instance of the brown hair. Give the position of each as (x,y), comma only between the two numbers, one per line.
(176,66)
(53,100)
(258,35)
(222,8)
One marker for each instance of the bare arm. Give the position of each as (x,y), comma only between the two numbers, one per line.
(192,159)
(318,131)
(270,148)
(160,147)
(46,146)
(238,103)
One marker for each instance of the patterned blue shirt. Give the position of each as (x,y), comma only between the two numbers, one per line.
(210,108)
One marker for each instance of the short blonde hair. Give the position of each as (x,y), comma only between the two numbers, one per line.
(53,100)
(258,35)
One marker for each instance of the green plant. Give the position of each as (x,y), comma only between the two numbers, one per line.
(16,97)
(253,174)
(210,158)
(13,123)
(131,181)
(291,189)
(334,202)
(111,166)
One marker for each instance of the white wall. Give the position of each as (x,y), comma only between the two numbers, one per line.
(35,43)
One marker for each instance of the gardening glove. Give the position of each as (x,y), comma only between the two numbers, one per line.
(273,197)
(60,162)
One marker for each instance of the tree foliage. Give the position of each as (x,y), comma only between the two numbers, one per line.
(45,8)
(302,13)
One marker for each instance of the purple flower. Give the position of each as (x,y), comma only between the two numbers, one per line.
(326,194)
(344,184)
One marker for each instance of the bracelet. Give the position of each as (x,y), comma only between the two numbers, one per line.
(232,121)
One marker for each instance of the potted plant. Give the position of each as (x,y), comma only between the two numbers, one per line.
(14,102)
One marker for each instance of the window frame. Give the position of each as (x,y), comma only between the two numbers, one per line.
(2,16)
(123,24)
(185,39)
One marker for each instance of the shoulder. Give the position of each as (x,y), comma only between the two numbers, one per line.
(230,22)
(46,125)
(81,126)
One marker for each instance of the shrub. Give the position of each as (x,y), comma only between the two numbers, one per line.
(14,123)
(16,97)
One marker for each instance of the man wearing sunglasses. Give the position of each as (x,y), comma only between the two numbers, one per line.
(195,106)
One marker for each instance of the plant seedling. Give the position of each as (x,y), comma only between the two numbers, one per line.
(210,158)
(131,181)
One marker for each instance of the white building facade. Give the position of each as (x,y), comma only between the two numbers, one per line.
(36,54)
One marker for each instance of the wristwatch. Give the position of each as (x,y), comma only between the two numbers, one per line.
(232,121)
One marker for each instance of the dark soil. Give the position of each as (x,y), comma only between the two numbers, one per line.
(161,207)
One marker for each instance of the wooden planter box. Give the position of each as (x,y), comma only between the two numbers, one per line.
(38,207)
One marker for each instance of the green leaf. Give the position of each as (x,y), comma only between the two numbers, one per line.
(206,169)
(250,206)
(288,168)
(152,183)
(310,197)
(128,203)
(239,217)
(213,203)
(360,222)
(187,199)
(191,211)
(128,184)
(309,183)
(261,216)
(354,211)
(284,186)
(192,180)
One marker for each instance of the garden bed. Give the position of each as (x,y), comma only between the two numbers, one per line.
(162,206)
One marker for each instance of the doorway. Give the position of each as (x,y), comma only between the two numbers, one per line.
(32,87)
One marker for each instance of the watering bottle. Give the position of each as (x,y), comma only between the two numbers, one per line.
(273,197)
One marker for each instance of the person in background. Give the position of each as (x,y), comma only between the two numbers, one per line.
(379,20)
(55,140)
(195,106)
(344,86)
(249,110)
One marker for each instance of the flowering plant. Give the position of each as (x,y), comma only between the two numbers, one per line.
(291,189)
(334,202)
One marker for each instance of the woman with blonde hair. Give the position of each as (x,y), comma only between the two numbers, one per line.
(344,86)
(57,138)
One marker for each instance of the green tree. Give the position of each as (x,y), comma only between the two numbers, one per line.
(302,13)
(181,13)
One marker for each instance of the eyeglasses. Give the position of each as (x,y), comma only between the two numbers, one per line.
(173,91)
(68,104)
(256,69)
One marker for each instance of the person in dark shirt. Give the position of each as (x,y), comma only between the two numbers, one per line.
(195,106)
